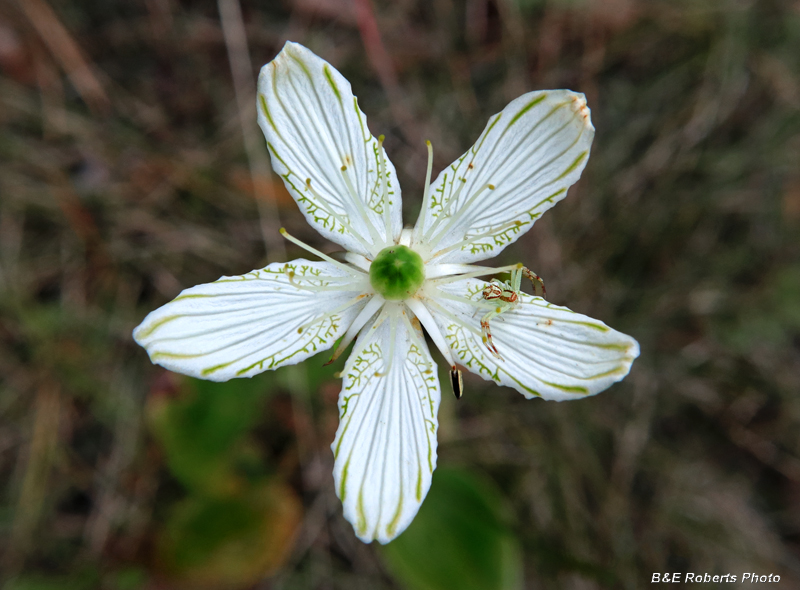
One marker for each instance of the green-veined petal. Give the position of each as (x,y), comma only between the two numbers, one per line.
(321,146)
(385,448)
(547,351)
(241,326)
(522,164)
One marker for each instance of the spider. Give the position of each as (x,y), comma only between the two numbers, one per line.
(506,296)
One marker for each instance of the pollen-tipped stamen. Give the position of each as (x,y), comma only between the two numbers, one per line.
(348,269)
(471,240)
(369,310)
(426,319)
(376,239)
(414,336)
(456,217)
(333,312)
(453,318)
(343,220)
(481,272)
(426,195)
(387,364)
(296,281)
(384,180)
(445,213)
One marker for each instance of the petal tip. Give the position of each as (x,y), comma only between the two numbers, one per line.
(635,350)
(581,109)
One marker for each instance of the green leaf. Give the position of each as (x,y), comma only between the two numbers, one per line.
(460,539)
(84,579)
(132,578)
(230,542)
(203,430)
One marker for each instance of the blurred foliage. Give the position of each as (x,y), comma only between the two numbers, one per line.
(124,178)
(461,538)
(238,523)
(201,433)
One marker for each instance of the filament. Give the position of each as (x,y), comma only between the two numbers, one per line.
(451,222)
(493,232)
(322,204)
(426,195)
(376,239)
(333,312)
(453,318)
(348,269)
(481,272)
(384,180)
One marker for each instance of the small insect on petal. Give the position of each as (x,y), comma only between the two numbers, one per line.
(457,382)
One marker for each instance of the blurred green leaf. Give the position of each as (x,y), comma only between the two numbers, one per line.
(202,431)
(132,578)
(82,580)
(460,539)
(229,542)
(773,318)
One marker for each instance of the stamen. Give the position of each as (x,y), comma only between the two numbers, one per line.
(405,237)
(460,213)
(456,382)
(426,195)
(348,286)
(392,342)
(482,271)
(440,309)
(451,202)
(333,312)
(446,269)
(376,239)
(444,214)
(358,261)
(358,273)
(322,204)
(412,333)
(369,310)
(426,319)
(473,239)
(387,214)
(479,303)
(360,347)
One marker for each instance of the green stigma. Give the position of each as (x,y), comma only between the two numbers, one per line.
(396,273)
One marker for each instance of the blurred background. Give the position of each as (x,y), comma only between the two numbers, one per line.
(131,168)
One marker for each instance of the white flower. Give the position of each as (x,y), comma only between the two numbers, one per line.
(396,281)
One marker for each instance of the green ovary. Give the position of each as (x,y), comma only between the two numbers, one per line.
(396,273)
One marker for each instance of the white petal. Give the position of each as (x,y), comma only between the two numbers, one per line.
(385,448)
(547,351)
(314,127)
(531,153)
(241,326)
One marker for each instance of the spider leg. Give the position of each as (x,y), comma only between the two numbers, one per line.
(487,333)
(536,281)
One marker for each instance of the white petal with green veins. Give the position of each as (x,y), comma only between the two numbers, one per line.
(385,447)
(314,129)
(241,326)
(547,351)
(522,164)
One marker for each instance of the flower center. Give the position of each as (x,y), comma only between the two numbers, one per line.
(397,272)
